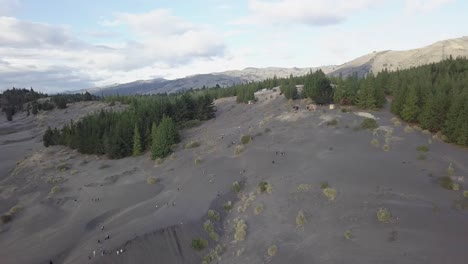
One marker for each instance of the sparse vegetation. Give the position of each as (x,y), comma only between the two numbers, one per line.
(408,129)
(5,218)
(330,193)
(191,123)
(303,187)
(213,215)
(209,228)
(240,230)
(198,161)
(324,185)
(333,122)
(55,189)
(215,254)
(348,235)
(421,156)
(386,147)
(465,194)
(272,250)
(199,244)
(258,209)
(228,206)
(239,149)
(422,148)
(63,167)
(262,186)
(151,180)
(375,142)
(192,144)
(460,204)
(245,139)
(446,182)
(236,187)
(384,215)
(54,180)
(450,170)
(369,123)
(300,219)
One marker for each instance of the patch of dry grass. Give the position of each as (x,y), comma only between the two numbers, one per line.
(301,219)
(240,230)
(198,161)
(151,180)
(386,147)
(239,149)
(246,200)
(272,250)
(55,189)
(375,142)
(259,209)
(192,144)
(348,235)
(384,215)
(330,193)
(408,129)
(450,170)
(303,187)
(236,187)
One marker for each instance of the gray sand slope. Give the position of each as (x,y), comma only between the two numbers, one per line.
(155,223)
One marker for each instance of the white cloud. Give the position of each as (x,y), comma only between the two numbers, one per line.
(425,5)
(45,51)
(8,6)
(310,12)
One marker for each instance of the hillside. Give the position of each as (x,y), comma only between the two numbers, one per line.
(150,211)
(393,60)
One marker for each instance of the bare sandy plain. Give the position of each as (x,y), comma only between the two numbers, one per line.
(136,210)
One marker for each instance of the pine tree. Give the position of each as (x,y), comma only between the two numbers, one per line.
(136,142)
(34,108)
(411,108)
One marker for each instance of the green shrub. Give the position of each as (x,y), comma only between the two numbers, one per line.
(384,215)
(55,189)
(421,156)
(450,170)
(198,161)
(228,206)
(408,129)
(151,180)
(5,218)
(369,123)
(465,194)
(236,187)
(245,139)
(386,147)
(348,235)
(333,122)
(272,250)
(422,149)
(258,209)
(215,254)
(208,226)
(330,193)
(344,110)
(240,230)
(199,244)
(213,215)
(447,183)
(324,185)
(300,218)
(192,144)
(375,142)
(262,186)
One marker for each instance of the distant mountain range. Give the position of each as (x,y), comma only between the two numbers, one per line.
(375,62)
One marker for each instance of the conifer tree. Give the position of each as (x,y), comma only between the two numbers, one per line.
(136,142)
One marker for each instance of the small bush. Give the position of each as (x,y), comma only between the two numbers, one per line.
(421,156)
(192,144)
(333,122)
(208,226)
(408,129)
(460,204)
(15,209)
(344,110)
(215,254)
(447,183)
(241,230)
(272,250)
(375,143)
(348,235)
(228,206)
(384,215)
(450,170)
(422,149)
(5,218)
(369,123)
(236,187)
(303,187)
(158,161)
(262,186)
(258,209)
(427,132)
(151,180)
(199,244)
(245,139)
(465,194)
(239,149)
(330,193)
(213,215)
(300,219)
(198,161)
(55,189)
(324,185)
(386,147)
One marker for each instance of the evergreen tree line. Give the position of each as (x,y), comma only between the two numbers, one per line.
(150,122)
(61,100)
(15,100)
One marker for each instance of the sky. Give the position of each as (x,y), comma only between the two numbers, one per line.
(56,46)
